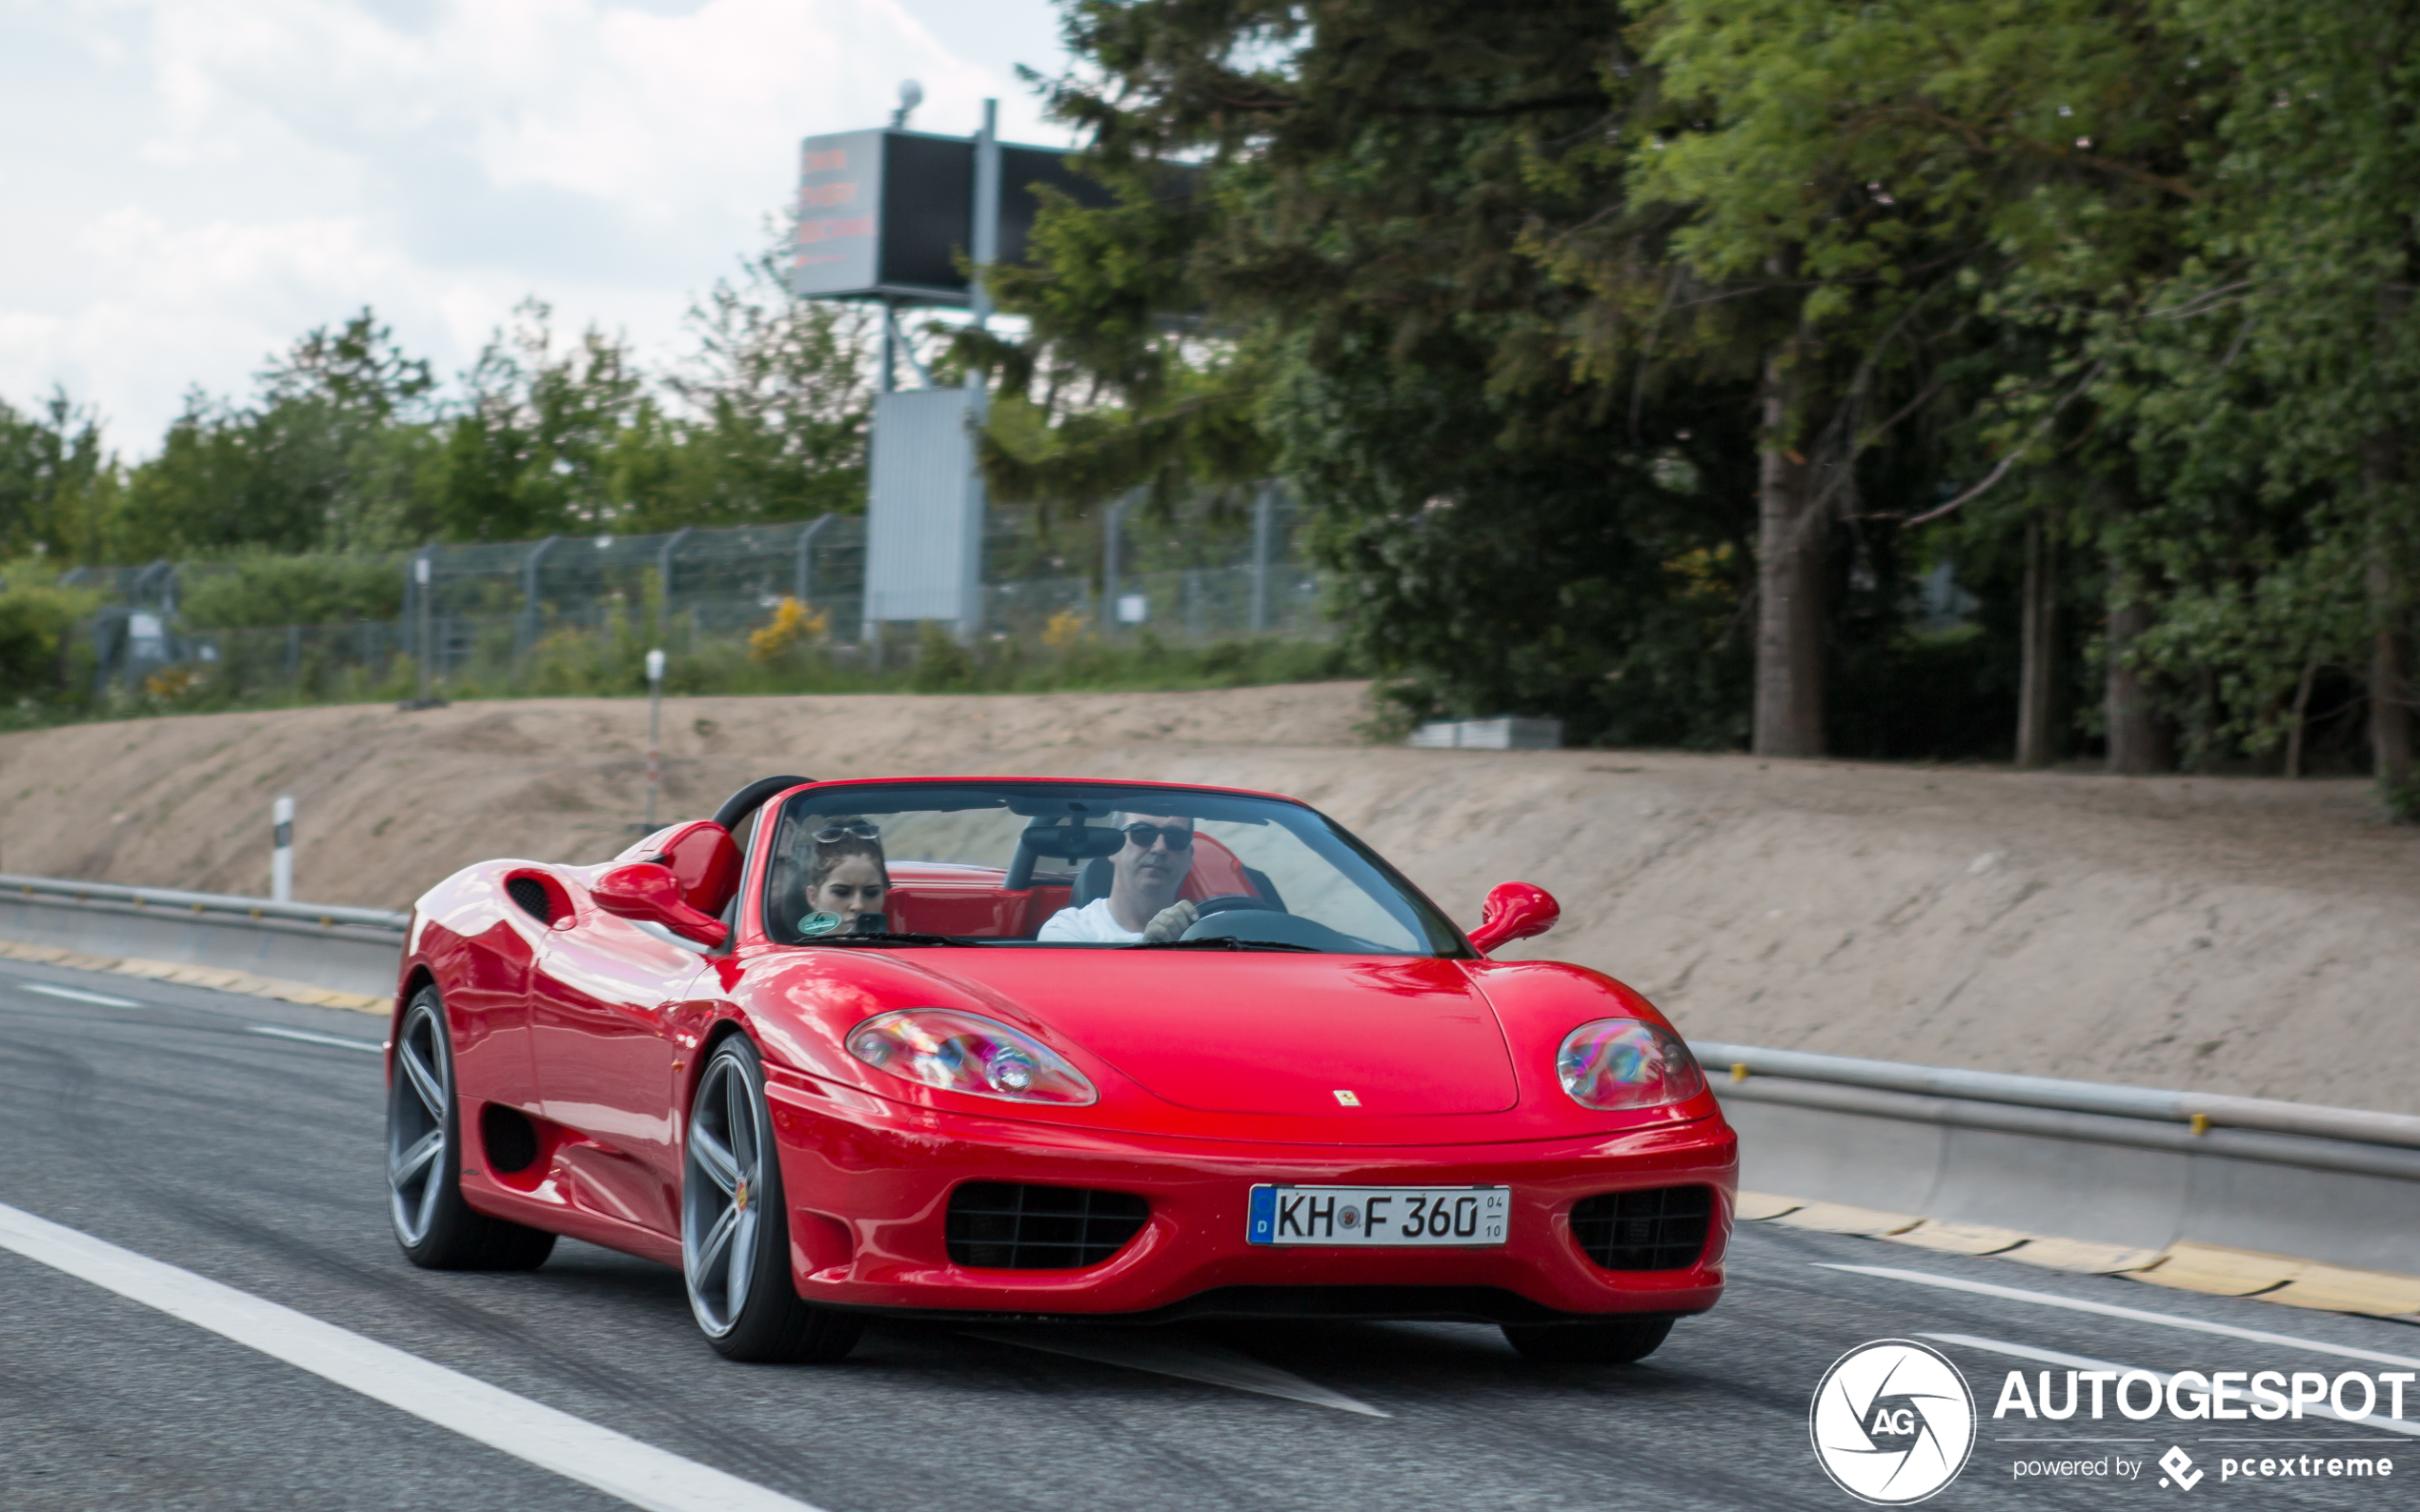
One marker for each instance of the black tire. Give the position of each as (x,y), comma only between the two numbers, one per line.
(735,1263)
(436,1227)
(1616,1341)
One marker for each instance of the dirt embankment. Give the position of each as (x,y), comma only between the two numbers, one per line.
(2250,936)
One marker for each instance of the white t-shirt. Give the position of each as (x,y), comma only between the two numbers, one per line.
(1092,924)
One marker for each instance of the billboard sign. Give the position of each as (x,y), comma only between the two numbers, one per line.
(886,214)
(837,234)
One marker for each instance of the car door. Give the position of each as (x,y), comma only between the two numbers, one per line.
(603,1037)
(495,928)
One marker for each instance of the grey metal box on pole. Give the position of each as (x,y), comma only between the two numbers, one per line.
(924,516)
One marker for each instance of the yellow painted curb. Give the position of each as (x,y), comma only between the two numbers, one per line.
(2219,1271)
(1755,1207)
(1839,1218)
(2186,1264)
(2333,1289)
(1960,1238)
(2082,1255)
(217,978)
(2283,1279)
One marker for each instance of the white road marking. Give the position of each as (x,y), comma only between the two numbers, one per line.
(76,994)
(1138,1349)
(373,1046)
(2137,1315)
(2052,1357)
(614,1463)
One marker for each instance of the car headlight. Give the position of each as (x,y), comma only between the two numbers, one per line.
(963,1052)
(1616,1064)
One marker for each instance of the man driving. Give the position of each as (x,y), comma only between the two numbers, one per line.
(1143,906)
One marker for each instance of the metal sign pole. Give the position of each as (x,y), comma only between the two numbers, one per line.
(281,854)
(655,732)
(986,249)
(984,253)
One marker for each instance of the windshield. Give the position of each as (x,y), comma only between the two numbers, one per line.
(1084,866)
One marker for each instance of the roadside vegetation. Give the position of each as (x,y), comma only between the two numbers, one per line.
(1939,378)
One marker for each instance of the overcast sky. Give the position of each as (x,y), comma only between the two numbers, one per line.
(190,184)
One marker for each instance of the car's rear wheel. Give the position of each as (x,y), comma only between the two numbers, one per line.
(424,1160)
(1616,1341)
(734,1248)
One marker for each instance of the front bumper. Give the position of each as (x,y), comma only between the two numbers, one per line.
(868,1182)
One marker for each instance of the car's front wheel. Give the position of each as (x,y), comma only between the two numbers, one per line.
(1615,1341)
(424,1160)
(734,1248)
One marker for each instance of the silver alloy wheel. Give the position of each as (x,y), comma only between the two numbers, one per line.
(721,1180)
(416,1122)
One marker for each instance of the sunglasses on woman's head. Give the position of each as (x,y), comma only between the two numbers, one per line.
(1142,837)
(858,829)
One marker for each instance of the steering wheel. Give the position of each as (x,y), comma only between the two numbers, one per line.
(1227,903)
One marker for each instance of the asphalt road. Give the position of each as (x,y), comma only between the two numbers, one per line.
(172,1127)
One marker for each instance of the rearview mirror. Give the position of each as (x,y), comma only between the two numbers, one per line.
(645,893)
(1514,910)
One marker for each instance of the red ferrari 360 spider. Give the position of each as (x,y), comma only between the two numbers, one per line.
(1017,1047)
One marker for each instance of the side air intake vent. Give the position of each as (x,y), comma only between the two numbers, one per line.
(1661,1229)
(1000,1226)
(531,894)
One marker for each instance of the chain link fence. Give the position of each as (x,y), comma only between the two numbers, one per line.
(571,611)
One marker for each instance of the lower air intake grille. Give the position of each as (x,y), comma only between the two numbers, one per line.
(1000,1226)
(1662,1229)
(531,894)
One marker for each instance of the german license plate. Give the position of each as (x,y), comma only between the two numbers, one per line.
(1381,1216)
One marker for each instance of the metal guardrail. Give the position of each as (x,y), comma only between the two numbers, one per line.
(2199,1112)
(2096,1111)
(214,907)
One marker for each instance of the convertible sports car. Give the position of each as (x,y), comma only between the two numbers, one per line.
(1037,1048)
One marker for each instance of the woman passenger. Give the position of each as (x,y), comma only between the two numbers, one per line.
(847,881)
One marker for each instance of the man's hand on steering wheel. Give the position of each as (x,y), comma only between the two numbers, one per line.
(1169,923)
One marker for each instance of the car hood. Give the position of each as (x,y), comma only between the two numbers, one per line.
(1266,1034)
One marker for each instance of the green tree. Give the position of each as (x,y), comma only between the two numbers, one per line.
(775,397)
(58,483)
(2280,384)
(293,470)
(1848,181)
(1343,290)
(529,451)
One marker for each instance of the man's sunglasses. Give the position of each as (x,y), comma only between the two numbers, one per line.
(859,829)
(1141,836)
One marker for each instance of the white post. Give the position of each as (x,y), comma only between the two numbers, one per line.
(1262,508)
(281,859)
(420,578)
(655,730)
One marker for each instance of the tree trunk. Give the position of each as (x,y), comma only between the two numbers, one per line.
(2038,648)
(2138,738)
(2301,721)
(2390,682)
(1790,551)
(2390,662)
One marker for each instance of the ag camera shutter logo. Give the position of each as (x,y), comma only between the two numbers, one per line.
(1892,1422)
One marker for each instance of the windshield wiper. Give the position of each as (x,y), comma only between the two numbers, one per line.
(1227,943)
(884,936)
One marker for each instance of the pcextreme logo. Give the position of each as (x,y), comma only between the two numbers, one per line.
(2179,1466)
(1892,1422)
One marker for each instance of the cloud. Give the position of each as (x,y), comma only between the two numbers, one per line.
(208,178)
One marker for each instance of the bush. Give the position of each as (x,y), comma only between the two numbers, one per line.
(256,589)
(36,624)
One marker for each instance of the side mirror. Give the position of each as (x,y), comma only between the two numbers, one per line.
(648,894)
(1514,910)
(704,859)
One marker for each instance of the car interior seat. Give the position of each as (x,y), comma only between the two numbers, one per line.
(1093,881)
